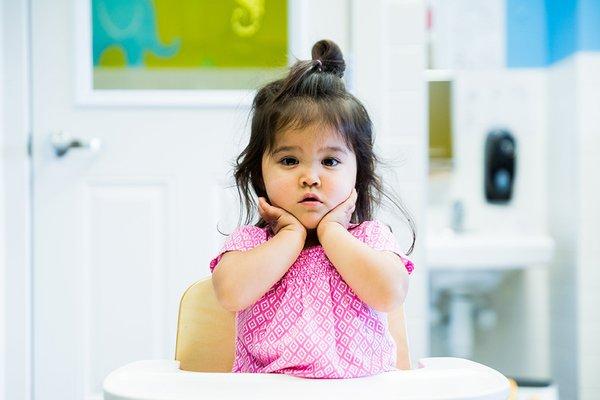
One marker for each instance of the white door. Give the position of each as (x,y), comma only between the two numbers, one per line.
(120,232)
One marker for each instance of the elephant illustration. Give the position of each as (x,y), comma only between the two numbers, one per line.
(132,26)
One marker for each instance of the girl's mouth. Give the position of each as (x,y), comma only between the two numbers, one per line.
(311,203)
(310,197)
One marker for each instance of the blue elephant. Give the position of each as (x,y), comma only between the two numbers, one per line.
(131,25)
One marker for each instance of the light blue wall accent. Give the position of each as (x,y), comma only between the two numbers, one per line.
(526,33)
(589,25)
(542,32)
(561,25)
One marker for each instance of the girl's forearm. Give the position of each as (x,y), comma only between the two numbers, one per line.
(243,277)
(378,278)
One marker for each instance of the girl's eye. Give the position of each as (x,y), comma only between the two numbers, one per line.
(330,162)
(288,161)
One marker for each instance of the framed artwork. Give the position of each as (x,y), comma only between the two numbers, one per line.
(185,52)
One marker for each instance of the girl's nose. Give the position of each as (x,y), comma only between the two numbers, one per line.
(310,178)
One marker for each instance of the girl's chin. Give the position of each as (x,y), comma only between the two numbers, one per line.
(310,223)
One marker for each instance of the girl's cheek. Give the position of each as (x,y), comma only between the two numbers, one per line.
(280,186)
(273,181)
(278,190)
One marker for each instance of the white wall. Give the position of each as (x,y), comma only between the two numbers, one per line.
(588,289)
(563,209)
(574,216)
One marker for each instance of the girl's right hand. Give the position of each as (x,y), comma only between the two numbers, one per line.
(278,218)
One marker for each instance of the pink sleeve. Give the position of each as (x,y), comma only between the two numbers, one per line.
(379,236)
(243,238)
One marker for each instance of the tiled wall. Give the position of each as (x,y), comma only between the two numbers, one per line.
(468,34)
(500,99)
(392,60)
(404,123)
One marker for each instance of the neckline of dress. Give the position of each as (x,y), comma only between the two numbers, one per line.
(310,248)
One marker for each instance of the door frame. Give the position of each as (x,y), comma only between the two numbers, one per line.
(16,264)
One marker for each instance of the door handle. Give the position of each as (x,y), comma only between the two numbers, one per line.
(62,142)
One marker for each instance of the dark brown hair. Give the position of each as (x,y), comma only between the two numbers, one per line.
(313,92)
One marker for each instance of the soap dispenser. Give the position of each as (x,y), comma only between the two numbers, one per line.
(499,166)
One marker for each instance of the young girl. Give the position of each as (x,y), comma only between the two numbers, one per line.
(312,281)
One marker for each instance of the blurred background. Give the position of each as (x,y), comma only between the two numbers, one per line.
(120,121)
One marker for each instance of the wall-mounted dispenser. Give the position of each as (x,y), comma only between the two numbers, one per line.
(499,166)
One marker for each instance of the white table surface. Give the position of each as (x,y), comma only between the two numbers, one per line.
(434,378)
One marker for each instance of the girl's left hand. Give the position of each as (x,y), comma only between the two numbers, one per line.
(340,214)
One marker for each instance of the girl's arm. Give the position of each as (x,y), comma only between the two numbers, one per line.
(379,278)
(243,277)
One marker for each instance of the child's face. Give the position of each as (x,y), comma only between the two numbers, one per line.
(312,160)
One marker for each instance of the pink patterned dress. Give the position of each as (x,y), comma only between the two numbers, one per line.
(310,323)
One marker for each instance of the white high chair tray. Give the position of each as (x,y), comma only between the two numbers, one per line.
(436,378)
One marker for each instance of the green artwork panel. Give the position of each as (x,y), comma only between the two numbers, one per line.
(188,44)
(231,33)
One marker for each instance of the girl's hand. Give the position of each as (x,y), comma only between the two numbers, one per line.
(278,218)
(341,214)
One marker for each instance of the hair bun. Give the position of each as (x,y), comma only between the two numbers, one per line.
(330,57)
